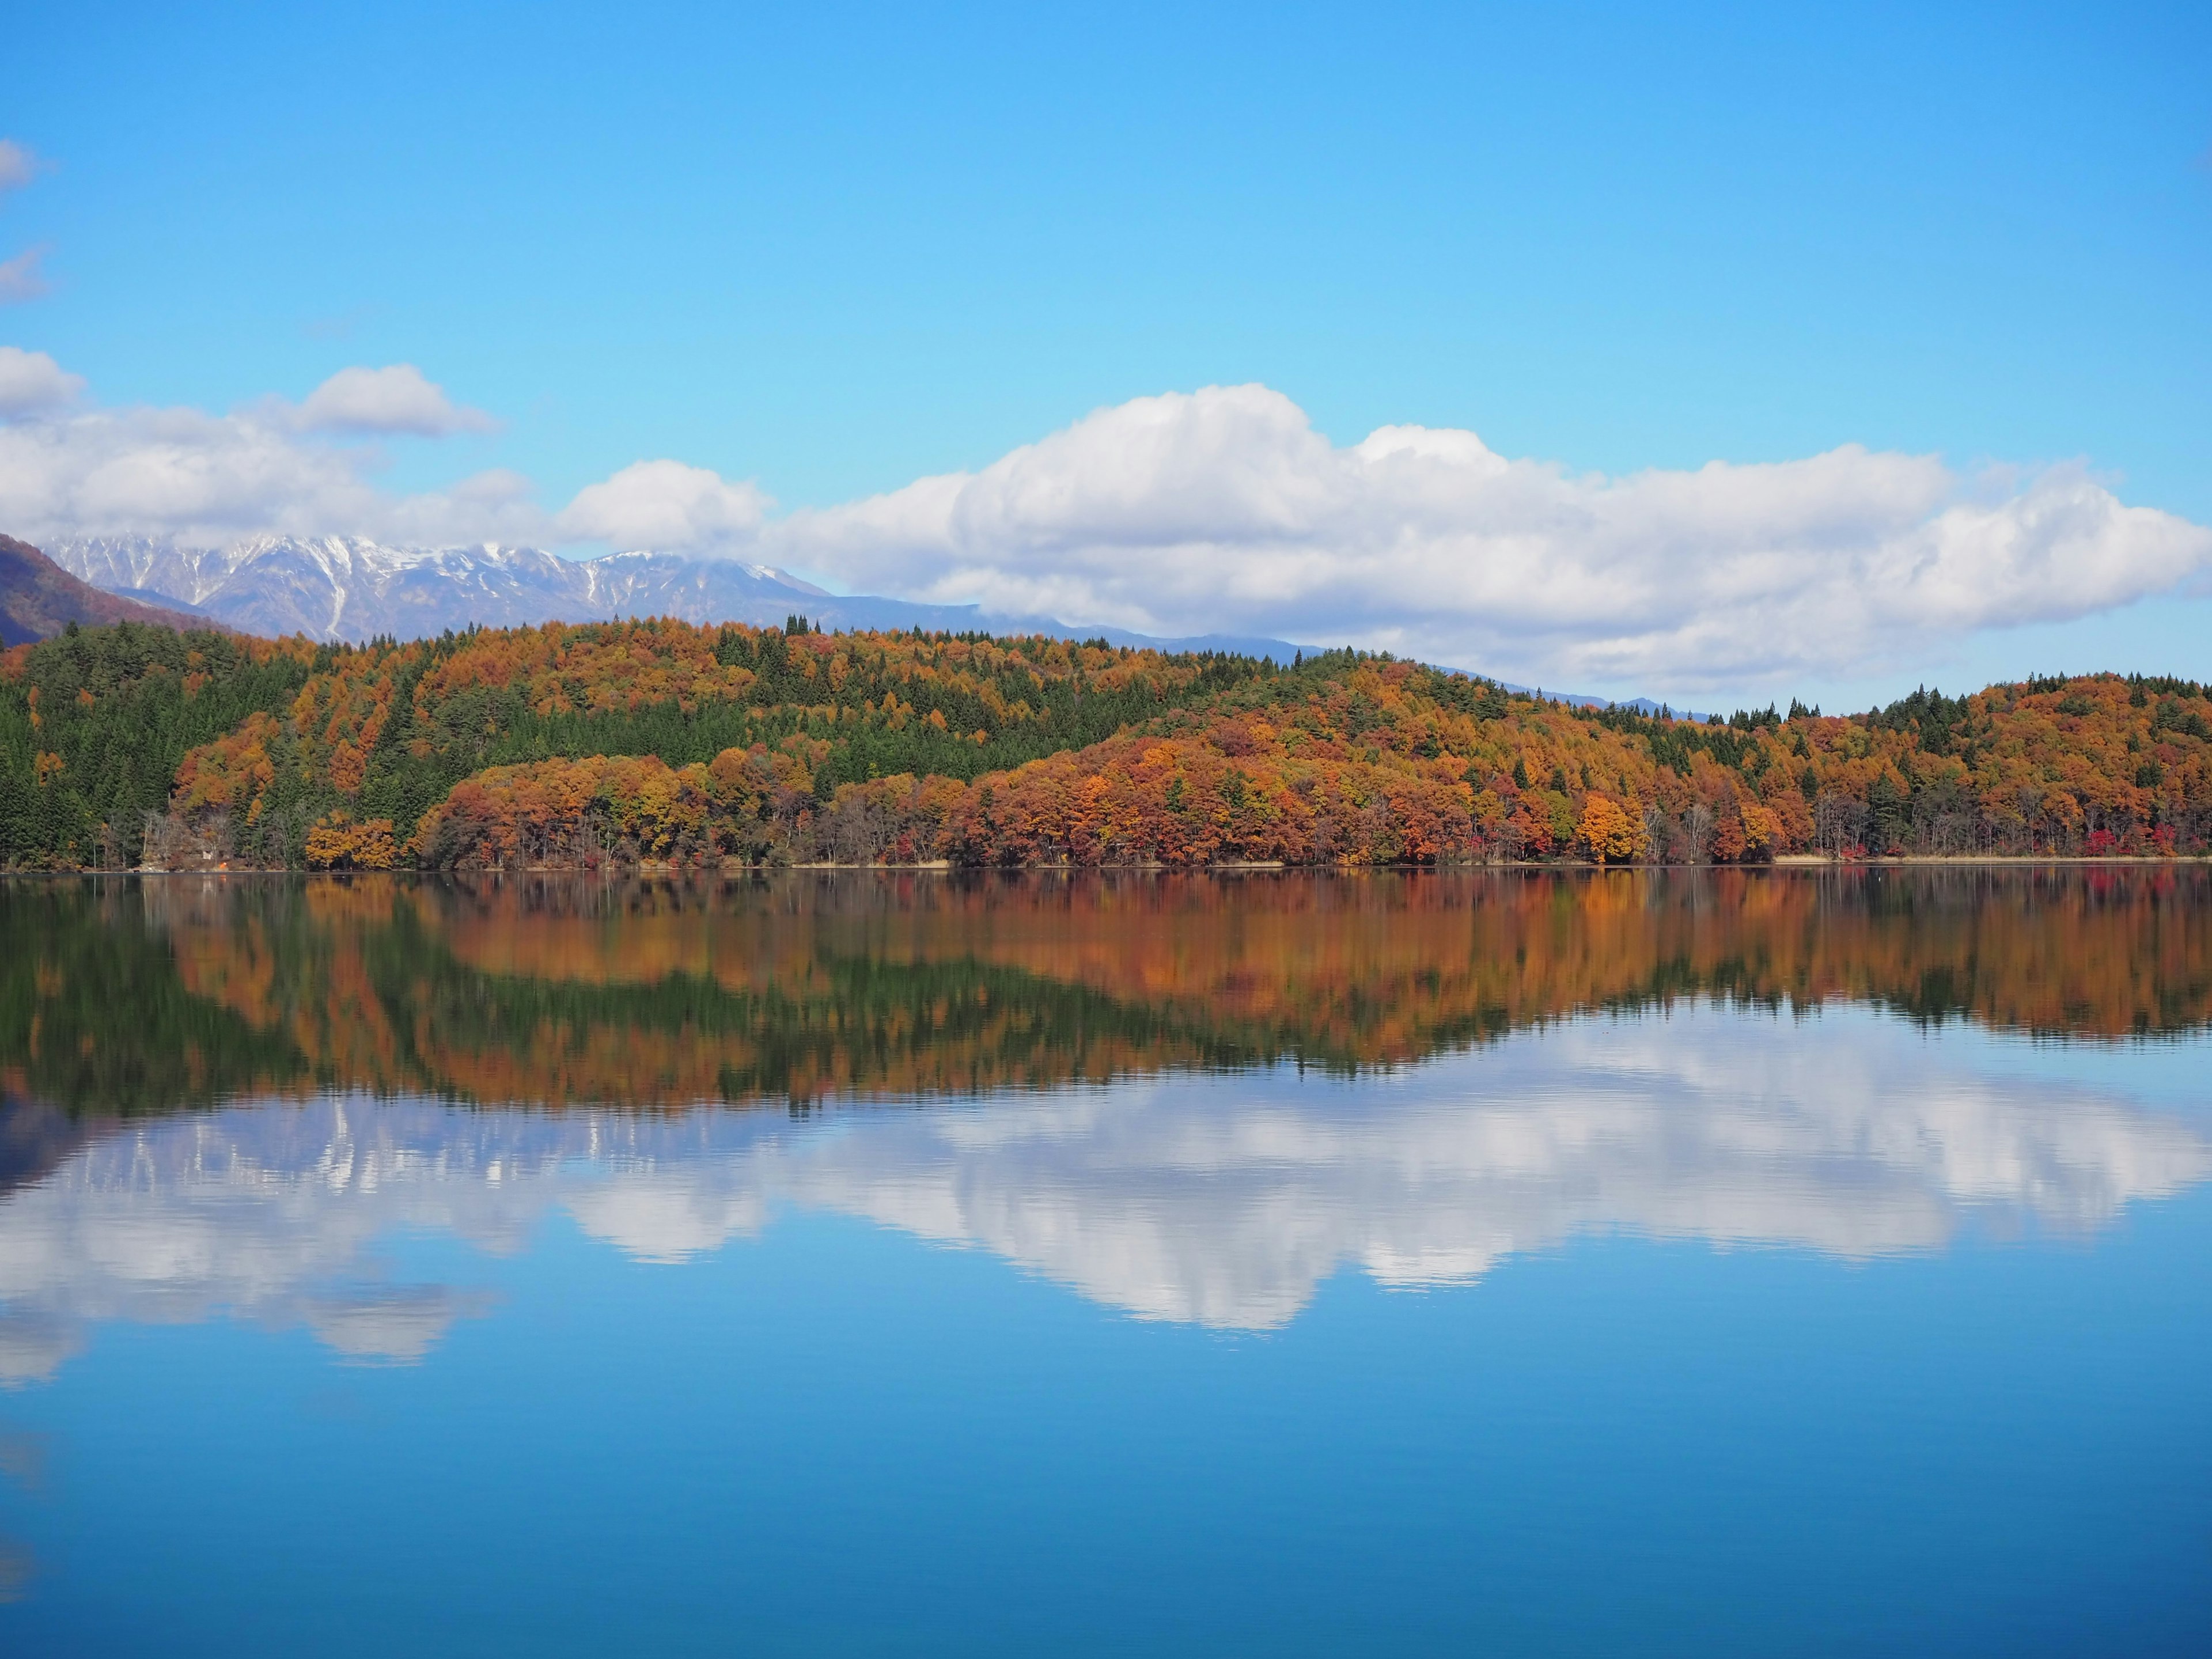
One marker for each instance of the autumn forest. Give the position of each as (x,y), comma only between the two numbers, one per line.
(658,743)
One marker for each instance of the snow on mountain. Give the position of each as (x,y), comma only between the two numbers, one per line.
(343,588)
(336,588)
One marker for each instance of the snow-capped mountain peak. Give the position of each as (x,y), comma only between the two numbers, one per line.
(346,587)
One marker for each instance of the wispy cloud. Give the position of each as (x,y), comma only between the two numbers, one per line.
(339,327)
(20,279)
(19,165)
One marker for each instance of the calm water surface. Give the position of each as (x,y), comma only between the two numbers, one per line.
(1785,1262)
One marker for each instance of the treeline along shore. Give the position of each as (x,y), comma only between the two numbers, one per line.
(583,746)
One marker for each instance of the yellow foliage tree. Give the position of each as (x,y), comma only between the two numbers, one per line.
(1611,835)
(336,842)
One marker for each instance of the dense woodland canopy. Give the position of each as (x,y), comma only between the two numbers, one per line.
(654,740)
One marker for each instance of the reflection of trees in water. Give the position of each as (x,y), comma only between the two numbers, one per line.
(140,996)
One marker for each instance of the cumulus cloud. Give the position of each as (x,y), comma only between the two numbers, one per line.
(31,381)
(392,400)
(18,165)
(1222,510)
(20,279)
(665,505)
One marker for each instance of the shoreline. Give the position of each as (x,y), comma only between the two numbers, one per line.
(946,866)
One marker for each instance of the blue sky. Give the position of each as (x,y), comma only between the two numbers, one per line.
(832,251)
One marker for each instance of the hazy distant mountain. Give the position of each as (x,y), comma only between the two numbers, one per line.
(38,599)
(339,587)
(346,588)
(343,588)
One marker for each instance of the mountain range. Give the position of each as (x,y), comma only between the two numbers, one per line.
(343,588)
(350,588)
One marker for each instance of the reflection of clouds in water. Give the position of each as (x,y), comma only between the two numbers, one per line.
(1222,1201)
(265,1214)
(1227,1202)
(656,1215)
(392,1326)
(33,1343)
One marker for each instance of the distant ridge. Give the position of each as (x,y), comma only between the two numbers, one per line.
(349,588)
(39,599)
(337,588)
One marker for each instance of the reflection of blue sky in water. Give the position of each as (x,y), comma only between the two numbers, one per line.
(1219,1200)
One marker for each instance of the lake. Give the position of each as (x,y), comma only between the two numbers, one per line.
(1519,1263)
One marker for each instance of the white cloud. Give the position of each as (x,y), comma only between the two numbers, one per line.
(1222,510)
(31,380)
(667,506)
(1216,511)
(20,279)
(396,399)
(210,478)
(18,165)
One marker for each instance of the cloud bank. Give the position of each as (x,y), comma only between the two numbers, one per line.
(1220,510)
(1223,509)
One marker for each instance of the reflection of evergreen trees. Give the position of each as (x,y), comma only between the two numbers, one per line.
(867,1026)
(119,996)
(95,1015)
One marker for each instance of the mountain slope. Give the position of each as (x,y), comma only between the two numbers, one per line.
(38,599)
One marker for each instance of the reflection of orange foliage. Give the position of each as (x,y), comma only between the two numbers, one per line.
(1356,969)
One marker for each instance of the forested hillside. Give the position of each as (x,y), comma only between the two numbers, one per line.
(616,742)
